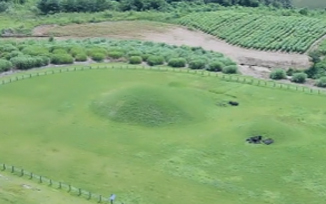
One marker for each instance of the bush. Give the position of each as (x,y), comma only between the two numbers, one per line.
(82,57)
(27,62)
(215,66)
(97,50)
(177,62)
(98,56)
(40,61)
(59,51)
(197,64)
(155,60)
(5,65)
(231,69)
(299,78)
(145,56)
(115,54)
(290,72)
(76,50)
(3,6)
(321,82)
(36,51)
(62,59)
(134,53)
(135,60)
(278,74)
(7,48)
(14,54)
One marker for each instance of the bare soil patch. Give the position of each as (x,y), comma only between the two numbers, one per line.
(119,29)
(176,35)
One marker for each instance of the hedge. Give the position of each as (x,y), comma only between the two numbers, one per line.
(155,60)
(5,65)
(62,59)
(177,62)
(135,60)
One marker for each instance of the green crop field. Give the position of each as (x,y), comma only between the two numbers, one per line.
(262,32)
(163,137)
(316,4)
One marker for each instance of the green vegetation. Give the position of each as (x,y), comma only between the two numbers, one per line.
(30,53)
(201,147)
(153,60)
(230,69)
(321,82)
(15,189)
(135,60)
(262,32)
(316,4)
(299,78)
(278,74)
(145,106)
(177,62)
(5,65)
(50,6)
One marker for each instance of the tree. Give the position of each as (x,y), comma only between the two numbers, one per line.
(49,6)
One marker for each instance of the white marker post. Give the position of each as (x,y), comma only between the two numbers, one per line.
(112,197)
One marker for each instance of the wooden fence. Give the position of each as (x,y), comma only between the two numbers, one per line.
(226,77)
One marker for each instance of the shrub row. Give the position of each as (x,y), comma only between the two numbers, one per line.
(136,52)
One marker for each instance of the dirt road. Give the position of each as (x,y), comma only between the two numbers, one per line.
(178,35)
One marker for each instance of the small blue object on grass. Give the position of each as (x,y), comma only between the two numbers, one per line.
(112,197)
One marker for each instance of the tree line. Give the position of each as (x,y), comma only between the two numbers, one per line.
(54,6)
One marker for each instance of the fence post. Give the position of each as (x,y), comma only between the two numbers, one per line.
(31,177)
(69,186)
(100,198)
(22,172)
(12,169)
(60,185)
(79,191)
(89,195)
(3,167)
(50,182)
(40,179)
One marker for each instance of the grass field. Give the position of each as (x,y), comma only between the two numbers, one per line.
(156,137)
(17,190)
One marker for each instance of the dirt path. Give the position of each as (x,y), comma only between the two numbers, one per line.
(315,45)
(177,35)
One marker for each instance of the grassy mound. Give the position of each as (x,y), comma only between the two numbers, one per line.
(143,105)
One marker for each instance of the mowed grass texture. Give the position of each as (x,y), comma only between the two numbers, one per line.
(88,128)
(18,190)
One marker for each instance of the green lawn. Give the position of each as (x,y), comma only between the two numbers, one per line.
(156,137)
(18,190)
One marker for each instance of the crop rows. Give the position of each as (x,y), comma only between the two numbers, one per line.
(277,33)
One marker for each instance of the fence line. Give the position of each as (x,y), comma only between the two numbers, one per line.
(54,184)
(226,77)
